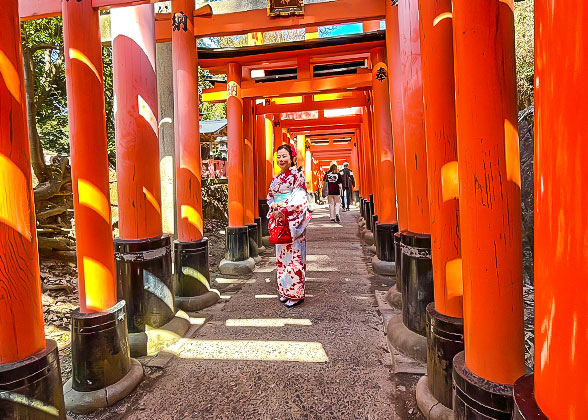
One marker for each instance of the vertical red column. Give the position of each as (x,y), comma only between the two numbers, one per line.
(445,324)
(414,127)
(248,169)
(269,152)
(235,145)
(186,126)
(489,194)
(561,221)
(89,159)
(22,331)
(439,98)
(397,112)
(260,147)
(137,145)
(383,139)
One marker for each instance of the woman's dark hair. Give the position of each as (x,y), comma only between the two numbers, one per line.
(288,149)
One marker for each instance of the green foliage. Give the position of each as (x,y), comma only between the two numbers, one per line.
(525,53)
(43,39)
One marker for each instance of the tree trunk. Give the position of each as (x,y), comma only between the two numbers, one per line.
(37,156)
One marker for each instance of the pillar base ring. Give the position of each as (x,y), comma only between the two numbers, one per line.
(525,405)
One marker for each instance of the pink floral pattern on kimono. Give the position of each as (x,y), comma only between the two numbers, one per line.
(289,189)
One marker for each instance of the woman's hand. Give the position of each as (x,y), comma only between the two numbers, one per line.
(275,206)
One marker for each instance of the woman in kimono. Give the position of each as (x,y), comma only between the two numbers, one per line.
(287,198)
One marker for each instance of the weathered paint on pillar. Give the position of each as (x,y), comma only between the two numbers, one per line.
(489,188)
(561,220)
(89,158)
(375,157)
(22,331)
(187,126)
(136,124)
(235,146)
(248,169)
(439,97)
(414,127)
(269,153)
(397,112)
(355,164)
(367,150)
(383,138)
(260,151)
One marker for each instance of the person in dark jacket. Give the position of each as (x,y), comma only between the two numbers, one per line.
(348,184)
(333,182)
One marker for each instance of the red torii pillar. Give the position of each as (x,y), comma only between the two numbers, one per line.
(237,259)
(383,262)
(416,268)
(397,117)
(95,367)
(262,173)
(191,247)
(444,320)
(490,208)
(561,277)
(249,179)
(375,152)
(24,350)
(142,253)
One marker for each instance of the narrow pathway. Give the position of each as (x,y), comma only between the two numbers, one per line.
(254,359)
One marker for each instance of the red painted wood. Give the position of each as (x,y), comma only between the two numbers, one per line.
(21,316)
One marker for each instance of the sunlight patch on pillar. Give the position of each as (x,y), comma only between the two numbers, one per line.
(454,278)
(441,17)
(158,288)
(266,322)
(97,280)
(75,54)
(29,402)
(10,77)
(512,154)
(152,200)
(197,275)
(15,210)
(450,181)
(90,196)
(270,351)
(192,216)
(147,113)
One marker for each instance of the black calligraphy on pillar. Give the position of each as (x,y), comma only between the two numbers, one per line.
(381,74)
(276,123)
(394,2)
(178,20)
(79,1)
(268,101)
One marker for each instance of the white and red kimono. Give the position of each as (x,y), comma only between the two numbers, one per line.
(289,190)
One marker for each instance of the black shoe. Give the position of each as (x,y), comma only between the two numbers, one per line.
(333,220)
(291,303)
(337,219)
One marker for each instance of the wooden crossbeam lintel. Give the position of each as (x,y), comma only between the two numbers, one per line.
(321,121)
(309,106)
(36,9)
(250,89)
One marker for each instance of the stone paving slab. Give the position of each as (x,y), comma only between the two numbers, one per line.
(255,359)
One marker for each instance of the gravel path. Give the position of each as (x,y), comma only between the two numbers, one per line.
(255,359)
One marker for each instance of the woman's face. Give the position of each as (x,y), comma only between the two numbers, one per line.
(284,161)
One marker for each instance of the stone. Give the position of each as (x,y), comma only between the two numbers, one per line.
(237,268)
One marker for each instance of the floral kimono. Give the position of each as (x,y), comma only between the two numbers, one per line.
(289,189)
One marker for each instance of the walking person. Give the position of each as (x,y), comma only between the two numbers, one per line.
(348,184)
(333,181)
(287,198)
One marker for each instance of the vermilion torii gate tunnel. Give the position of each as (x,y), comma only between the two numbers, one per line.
(430,130)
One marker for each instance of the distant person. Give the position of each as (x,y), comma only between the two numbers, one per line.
(347,184)
(333,182)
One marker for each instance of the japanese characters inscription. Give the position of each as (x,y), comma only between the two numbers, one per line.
(178,20)
(381,74)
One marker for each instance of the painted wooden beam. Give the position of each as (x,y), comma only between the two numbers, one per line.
(319,14)
(250,89)
(321,121)
(310,106)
